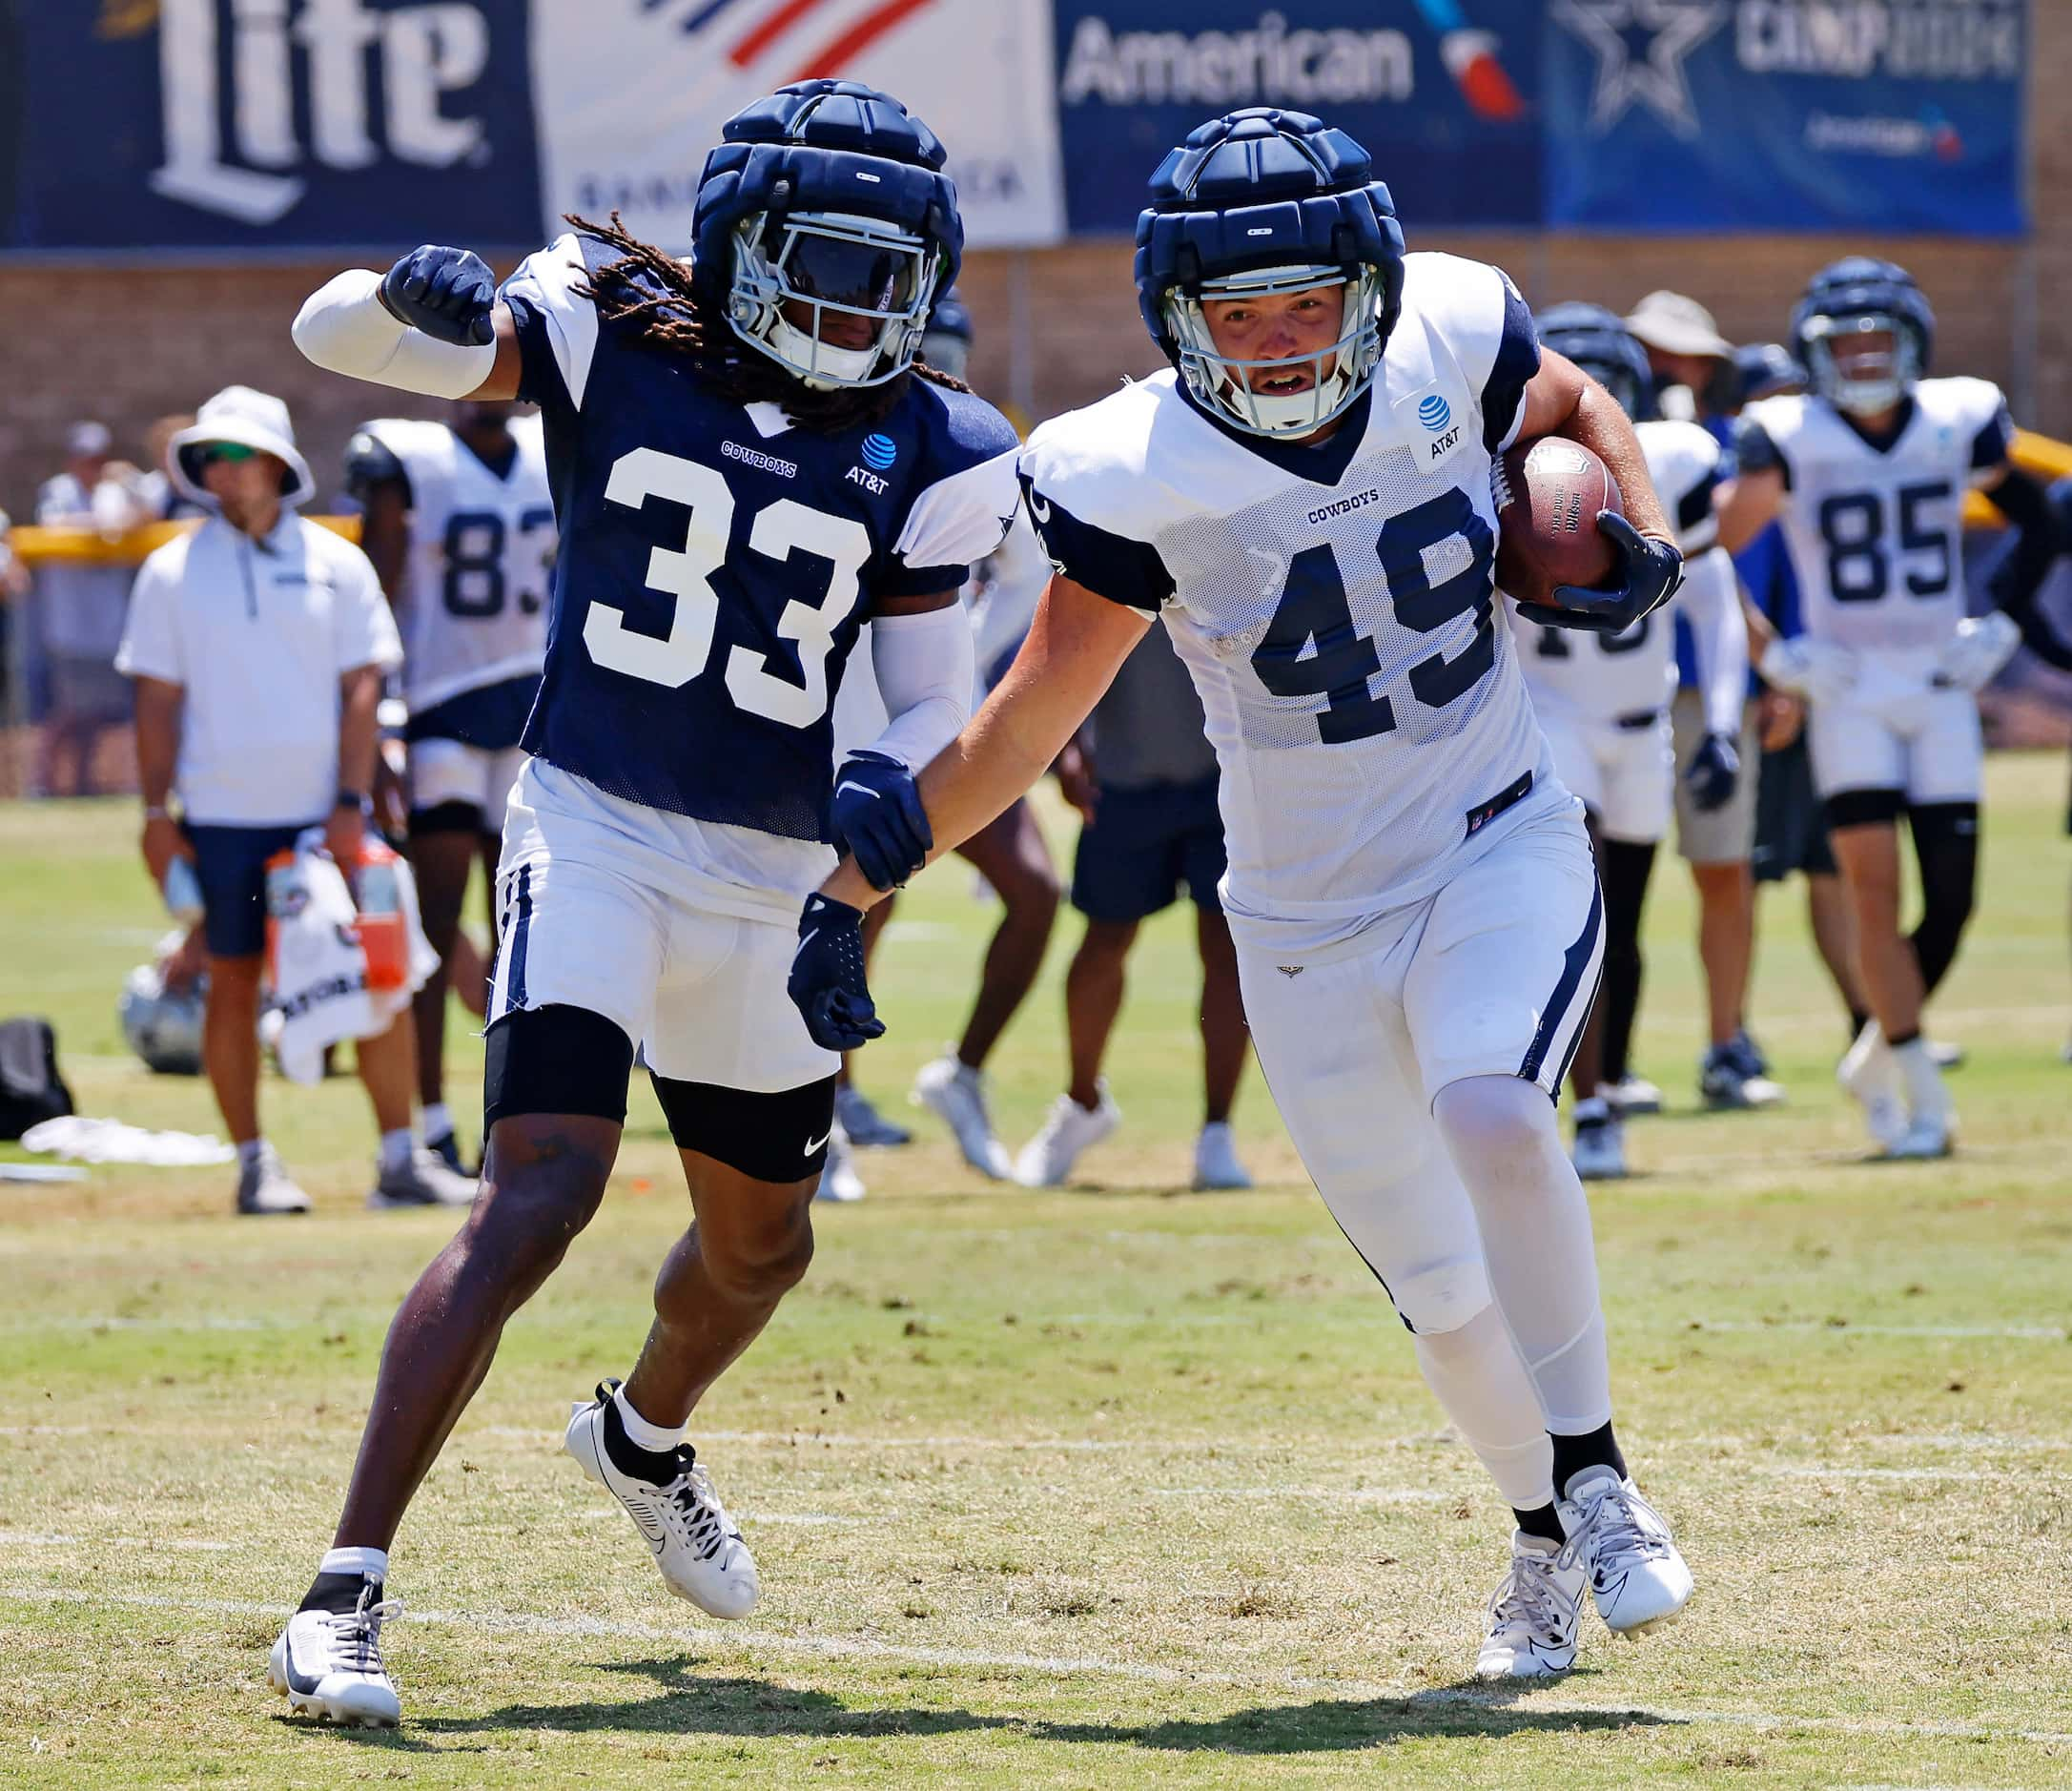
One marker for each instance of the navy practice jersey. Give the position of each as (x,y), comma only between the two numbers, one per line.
(716,562)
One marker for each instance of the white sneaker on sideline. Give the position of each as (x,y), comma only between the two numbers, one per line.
(264,1185)
(867,1127)
(1599,1153)
(839,1180)
(1046,1159)
(1931,1114)
(420,1180)
(1534,1612)
(1922,1140)
(1635,1095)
(1216,1164)
(955,1094)
(1871,1077)
(1626,1554)
(328,1663)
(697,1546)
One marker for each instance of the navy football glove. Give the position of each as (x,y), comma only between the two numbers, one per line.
(1650,572)
(1713,772)
(878,819)
(826,982)
(447,292)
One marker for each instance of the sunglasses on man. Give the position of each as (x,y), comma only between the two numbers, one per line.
(232,453)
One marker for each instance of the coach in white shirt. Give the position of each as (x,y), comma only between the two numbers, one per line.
(257,644)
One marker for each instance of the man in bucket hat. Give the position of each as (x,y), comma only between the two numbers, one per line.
(257,645)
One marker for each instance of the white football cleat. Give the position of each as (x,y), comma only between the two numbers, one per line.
(1599,1154)
(1870,1076)
(1216,1164)
(839,1180)
(328,1663)
(955,1094)
(697,1546)
(1534,1614)
(1046,1159)
(1635,1095)
(1923,1137)
(1626,1552)
(867,1127)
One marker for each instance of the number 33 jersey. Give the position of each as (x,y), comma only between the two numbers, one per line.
(1874,533)
(716,562)
(1334,604)
(473,603)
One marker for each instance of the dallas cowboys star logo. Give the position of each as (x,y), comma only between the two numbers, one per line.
(1641,46)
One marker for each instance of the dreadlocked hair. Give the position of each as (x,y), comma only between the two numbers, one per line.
(650,295)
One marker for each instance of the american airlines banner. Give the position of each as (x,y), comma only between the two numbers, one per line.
(238,127)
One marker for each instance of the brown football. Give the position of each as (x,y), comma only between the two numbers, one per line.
(1548,496)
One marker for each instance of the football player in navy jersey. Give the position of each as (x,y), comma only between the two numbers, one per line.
(1305,501)
(746,461)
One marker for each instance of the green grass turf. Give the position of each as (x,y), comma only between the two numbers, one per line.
(1112,1487)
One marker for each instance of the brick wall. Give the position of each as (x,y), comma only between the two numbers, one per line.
(128,346)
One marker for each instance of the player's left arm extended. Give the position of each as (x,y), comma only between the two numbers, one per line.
(1075,647)
(1711,599)
(1561,400)
(2039,538)
(431,326)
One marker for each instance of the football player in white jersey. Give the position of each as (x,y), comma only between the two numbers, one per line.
(1866,473)
(1603,702)
(459,522)
(1305,501)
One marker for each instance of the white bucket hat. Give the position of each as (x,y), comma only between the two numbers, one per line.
(252,420)
(1678,325)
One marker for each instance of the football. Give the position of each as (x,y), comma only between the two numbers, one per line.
(1548,494)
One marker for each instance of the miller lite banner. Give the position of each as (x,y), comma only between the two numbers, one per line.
(236,128)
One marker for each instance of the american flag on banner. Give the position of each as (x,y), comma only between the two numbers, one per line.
(630,96)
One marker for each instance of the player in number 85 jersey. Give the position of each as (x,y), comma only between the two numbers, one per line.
(1306,503)
(1867,474)
(747,463)
(460,524)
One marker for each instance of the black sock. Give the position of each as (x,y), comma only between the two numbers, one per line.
(657,1467)
(1905,1038)
(339,1592)
(1543,1523)
(1575,1454)
(1858,1020)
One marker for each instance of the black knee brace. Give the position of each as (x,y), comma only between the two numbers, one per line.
(1946,849)
(1623,867)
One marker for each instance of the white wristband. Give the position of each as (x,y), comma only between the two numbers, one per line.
(344,328)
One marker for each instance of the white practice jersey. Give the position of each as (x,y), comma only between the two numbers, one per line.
(1333,604)
(473,604)
(1601,677)
(1874,533)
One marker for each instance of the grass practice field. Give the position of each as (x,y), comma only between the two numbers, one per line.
(1112,1487)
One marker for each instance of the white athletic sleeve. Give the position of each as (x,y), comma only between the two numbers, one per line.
(924,666)
(1711,600)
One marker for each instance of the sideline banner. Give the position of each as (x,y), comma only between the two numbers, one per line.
(1876,115)
(1440,91)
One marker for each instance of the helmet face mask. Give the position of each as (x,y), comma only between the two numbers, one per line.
(1231,385)
(819,267)
(1853,372)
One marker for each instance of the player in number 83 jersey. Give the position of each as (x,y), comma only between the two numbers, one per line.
(1867,474)
(747,463)
(1305,501)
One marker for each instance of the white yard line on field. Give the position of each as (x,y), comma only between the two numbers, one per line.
(2046,1333)
(36,1539)
(1495,1700)
(1336,1495)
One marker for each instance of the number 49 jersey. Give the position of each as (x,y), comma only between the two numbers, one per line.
(1874,533)
(1334,605)
(481,547)
(716,562)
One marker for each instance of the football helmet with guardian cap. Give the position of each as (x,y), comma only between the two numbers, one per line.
(1860,295)
(1599,343)
(824,228)
(1263,202)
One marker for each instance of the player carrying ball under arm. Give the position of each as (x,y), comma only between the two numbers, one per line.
(1306,504)
(1867,473)
(744,467)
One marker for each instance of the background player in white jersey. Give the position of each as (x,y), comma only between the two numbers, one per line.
(1867,474)
(1306,504)
(1603,702)
(745,466)
(460,524)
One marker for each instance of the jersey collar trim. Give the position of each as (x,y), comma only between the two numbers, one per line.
(1891,437)
(1322,464)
